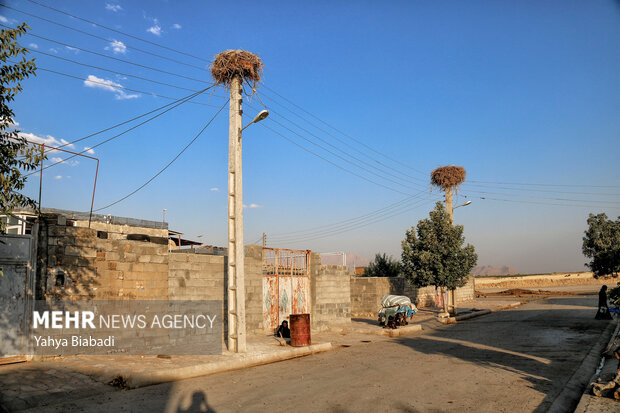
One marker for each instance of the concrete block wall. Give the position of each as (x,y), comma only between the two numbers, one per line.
(366,293)
(330,288)
(254,289)
(82,263)
(195,276)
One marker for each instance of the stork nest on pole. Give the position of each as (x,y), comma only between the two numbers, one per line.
(231,63)
(448,176)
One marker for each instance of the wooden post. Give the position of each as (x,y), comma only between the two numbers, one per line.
(236,278)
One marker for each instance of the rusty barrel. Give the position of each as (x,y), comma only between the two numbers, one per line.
(300,330)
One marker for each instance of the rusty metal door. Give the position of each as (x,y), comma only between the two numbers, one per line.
(286,285)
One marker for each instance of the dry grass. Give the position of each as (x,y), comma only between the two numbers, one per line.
(231,63)
(448,176)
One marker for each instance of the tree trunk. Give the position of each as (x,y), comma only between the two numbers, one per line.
(444,299)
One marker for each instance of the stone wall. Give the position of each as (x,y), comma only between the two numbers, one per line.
(366,293)
(330,289)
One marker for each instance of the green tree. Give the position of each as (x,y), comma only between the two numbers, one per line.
(383,266)
(601,244)
(17,157)
(435,255)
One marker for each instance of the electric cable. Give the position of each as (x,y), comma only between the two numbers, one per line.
(109,57)
(107,40)
(117,72)
(118,31)
(169,163)
(335,154)
(336,138)
(343,133)
(178,103)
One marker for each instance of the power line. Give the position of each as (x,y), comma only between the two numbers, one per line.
(109,57)
(326,235)
(119,32)
(102,38)
(336,155)
(343,133)
(120,87)
(116,72)
(542,197)
(548,185)
(534,202)
(546,191)
(348,223)
(352,156)
(169,163)
(335,137)
(345,221)
(176,104)
(330,162)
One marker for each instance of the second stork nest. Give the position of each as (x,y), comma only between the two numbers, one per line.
(231,63)
(448,176)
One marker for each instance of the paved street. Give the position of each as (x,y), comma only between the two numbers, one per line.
(509,361)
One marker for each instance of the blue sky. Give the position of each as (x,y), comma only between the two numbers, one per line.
(521,92)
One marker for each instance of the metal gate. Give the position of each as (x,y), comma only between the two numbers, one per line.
(286,285)
(17,266)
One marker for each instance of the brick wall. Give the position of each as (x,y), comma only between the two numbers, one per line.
(330,289)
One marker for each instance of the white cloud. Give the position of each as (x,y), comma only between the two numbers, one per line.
(47,140)
(176,26)
(53,50)
(58,177)
(214,189)
(69,162)
(66,143)
(155,28)
(72,49)
(117,47)
(89,150)
(34,45)
(109,85)
(3,19)
(113,7)
(252,206)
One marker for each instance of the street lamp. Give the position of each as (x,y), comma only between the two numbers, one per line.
(465,204)
(261,116)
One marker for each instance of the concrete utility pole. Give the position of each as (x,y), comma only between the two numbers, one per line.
(236,276)
(450,211)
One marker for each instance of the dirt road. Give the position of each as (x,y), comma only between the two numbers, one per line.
(510,361)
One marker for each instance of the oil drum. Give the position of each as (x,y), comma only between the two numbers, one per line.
(300,330)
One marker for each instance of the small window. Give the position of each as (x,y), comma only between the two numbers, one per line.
(60,278)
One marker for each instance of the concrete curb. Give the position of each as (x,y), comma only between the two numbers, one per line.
(456,319)
(578,383)
(174,374)
(582,406)
(379,331)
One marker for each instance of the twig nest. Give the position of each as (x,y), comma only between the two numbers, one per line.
(231,63)
(448,176)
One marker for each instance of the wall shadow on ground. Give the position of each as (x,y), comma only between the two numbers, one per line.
(545,350)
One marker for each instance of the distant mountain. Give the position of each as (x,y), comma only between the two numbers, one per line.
(352,260)
(489,270)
